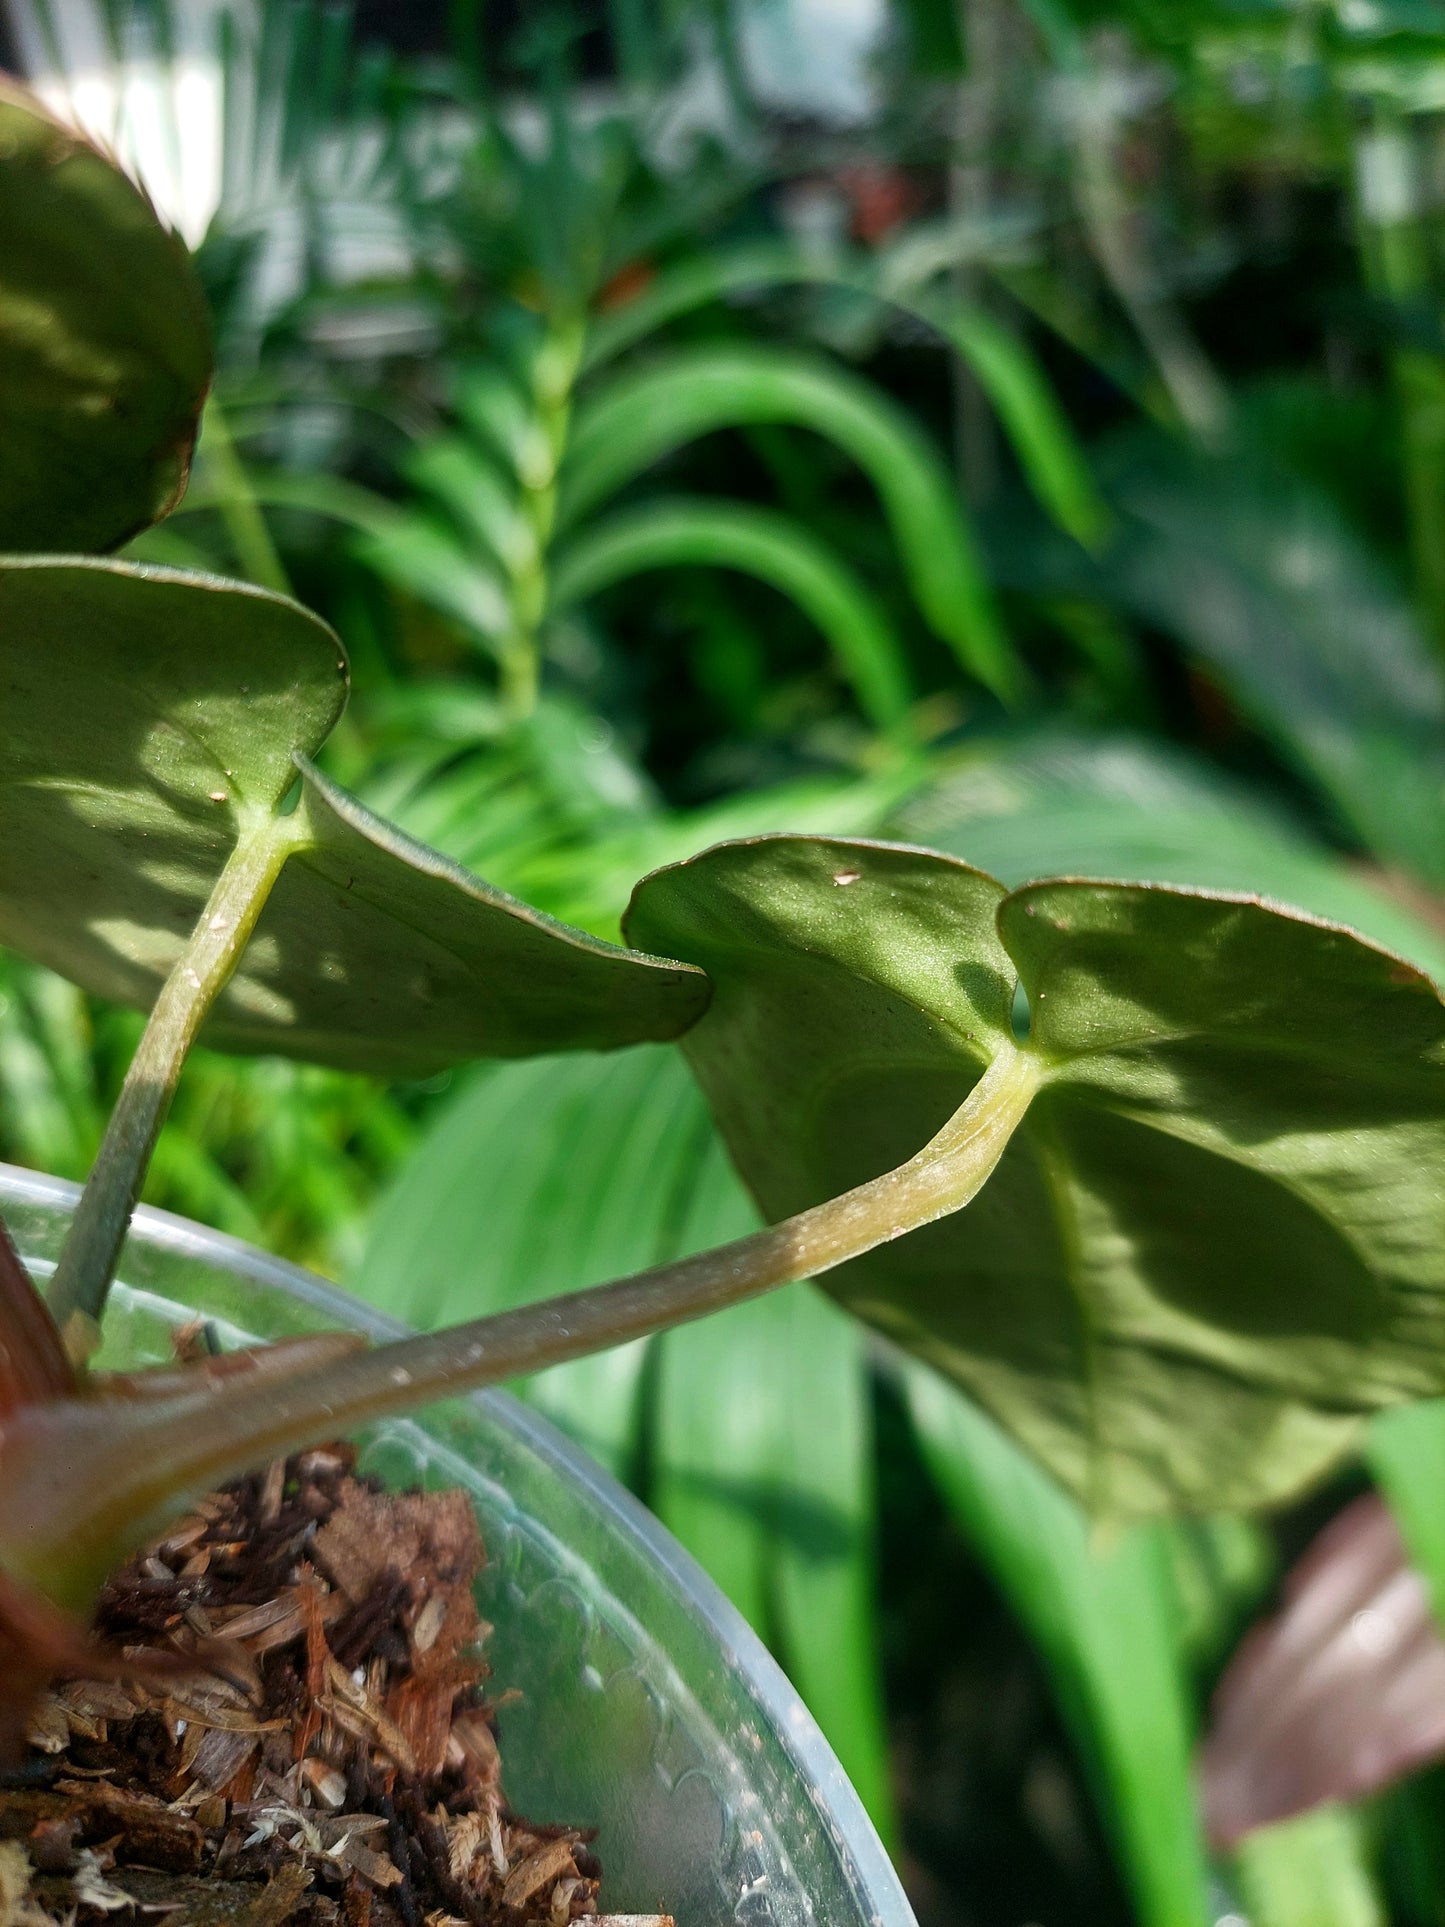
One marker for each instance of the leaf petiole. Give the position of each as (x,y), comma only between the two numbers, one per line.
(85,1477)
(92,1246)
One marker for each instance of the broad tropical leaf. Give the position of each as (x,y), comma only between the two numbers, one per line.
(762,1465)
(1311,1872)
(104,344)
(541,1178)
(1104,1613)
(1406,1452)
(1214,1242)
(1265,583)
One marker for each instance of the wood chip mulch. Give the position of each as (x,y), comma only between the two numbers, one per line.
(333,1760)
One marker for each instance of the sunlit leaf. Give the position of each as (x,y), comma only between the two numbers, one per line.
(482,501)
(409,550)
(1406,1452)
(104,344)
(1311,1872)
(149,718)
(1213,1243)
(148,715)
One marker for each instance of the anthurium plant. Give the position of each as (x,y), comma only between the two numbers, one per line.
(1201,1139)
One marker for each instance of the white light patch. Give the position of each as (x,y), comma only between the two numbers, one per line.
(161,119)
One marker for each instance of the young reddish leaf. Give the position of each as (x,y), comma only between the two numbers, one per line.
(40,1388)
(1339,1694)
(33,1364)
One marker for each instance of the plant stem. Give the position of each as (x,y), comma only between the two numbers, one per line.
(240,511)
(139,1460)
(554,378)
(983,31)
(201,972)
(1396,259)
(1111,223)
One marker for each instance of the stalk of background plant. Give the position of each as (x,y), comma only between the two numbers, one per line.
(236,502)
(983,33)
(1395,256)
(554,376)
(1099,90)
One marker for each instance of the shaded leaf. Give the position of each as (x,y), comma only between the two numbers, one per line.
(1264,582)
(1105,1616)
(1214,1241)
(776,550)
(375,953)
(640,418)
(1339,1694)
(104,344)
(1223,1563)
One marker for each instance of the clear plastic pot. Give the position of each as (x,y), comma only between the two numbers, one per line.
(648,1709)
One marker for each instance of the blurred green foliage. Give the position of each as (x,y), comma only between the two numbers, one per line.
(1045,463)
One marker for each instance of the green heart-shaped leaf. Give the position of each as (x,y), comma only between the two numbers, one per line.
(149,717)
(1217,1238)
(104,344)
(375,953)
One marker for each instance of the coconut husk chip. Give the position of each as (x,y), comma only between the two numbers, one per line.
(320,1747)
